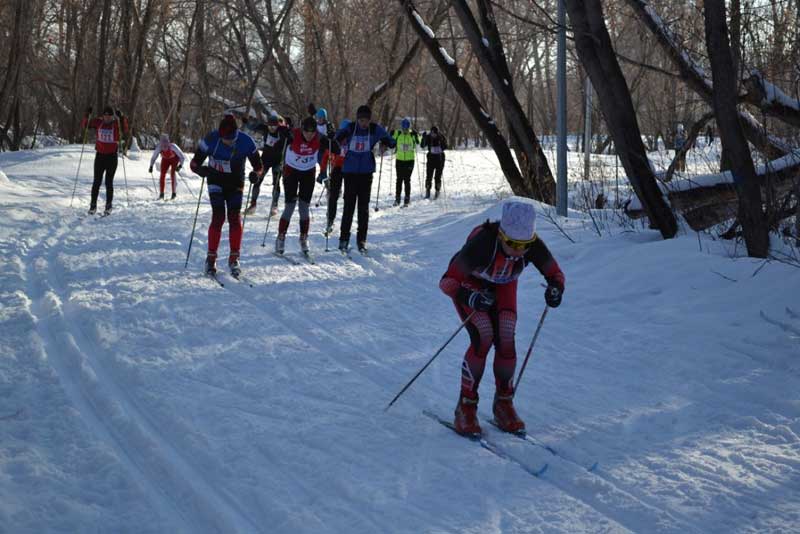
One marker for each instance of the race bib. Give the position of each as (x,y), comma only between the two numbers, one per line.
(270,141)
(405,147)
(436,150)
(220,165)
(359,143)
(105,135)
(301,162)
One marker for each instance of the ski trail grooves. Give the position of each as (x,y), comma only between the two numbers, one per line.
(191,501)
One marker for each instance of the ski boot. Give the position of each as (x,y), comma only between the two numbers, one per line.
(280,244)
(466,416)
(273,211)
(304,243)
(161,196)
(436,195)
(211,264)
(107,212)
(92,210)
(428,194)
(396,203)
(251,209)
(407,202)
(174,194)
(362,247)
(344,245)
(505,415)
(233,264)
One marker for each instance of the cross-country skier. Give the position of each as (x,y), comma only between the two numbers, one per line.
(106,146)
(436,144)
(171,158)
(407,141)
(226,149)
(276,139)
(299,170)
(324,126)
(482,277)
(334,183)
(359,165)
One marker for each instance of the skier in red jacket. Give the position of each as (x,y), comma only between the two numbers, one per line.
(107,145)
(482,278)
(172,159)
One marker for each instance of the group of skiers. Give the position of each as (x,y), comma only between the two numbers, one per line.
(481,278)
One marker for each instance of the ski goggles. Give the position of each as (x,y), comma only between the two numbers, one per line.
(516,244)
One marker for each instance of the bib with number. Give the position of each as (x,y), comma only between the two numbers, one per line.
(436,150)
(106,135)
(221,165)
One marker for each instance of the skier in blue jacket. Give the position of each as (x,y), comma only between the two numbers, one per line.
(359,138)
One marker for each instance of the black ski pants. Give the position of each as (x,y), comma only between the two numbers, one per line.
(276,184)
(404,170)
(434,171)
(104,164)
(357,190)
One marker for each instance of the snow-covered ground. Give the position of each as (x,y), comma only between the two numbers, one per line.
(136,396)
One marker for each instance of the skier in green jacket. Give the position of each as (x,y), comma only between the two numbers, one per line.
(407,141)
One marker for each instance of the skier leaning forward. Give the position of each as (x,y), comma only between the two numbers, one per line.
(482,277)
(299,170)
(226,149)
(172,159)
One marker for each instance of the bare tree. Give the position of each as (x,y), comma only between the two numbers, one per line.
(751,214)
(595,51)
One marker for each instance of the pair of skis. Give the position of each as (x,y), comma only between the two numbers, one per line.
(487,443)
(306,255)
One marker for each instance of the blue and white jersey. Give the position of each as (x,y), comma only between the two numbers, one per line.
(359,143)
(227,159)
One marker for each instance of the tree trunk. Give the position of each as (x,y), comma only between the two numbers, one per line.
(464,90)
(594,48)
(537,176)
(751,214)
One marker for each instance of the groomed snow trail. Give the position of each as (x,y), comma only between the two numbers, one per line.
(136,396)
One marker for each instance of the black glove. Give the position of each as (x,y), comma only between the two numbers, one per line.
(180,166)
(552,295)
(203,170)
(150,169)
(478,300)
(118,113)
(253,177)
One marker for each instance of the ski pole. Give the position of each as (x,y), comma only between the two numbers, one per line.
(155,187)
(380,172)
(186,183)
(463,324)
(196,211)
(530,348)
(83,145)
(125,176)
(247,203)
(269,217)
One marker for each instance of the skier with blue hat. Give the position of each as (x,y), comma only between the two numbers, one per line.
(407,141)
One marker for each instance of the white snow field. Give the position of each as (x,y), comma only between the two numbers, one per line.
(140,397)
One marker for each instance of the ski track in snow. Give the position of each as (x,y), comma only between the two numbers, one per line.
(252,409)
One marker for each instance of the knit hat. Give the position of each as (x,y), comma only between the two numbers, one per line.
(309,124)
(228,127)
(164,141)
(405,123)
(108,110)
(363,112)
(435,129)
(273,119)
(322,113)
(519,219)
(344,124)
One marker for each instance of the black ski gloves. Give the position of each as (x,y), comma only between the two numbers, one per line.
(253,177)
(150,169)
(477,300)
(552,295)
